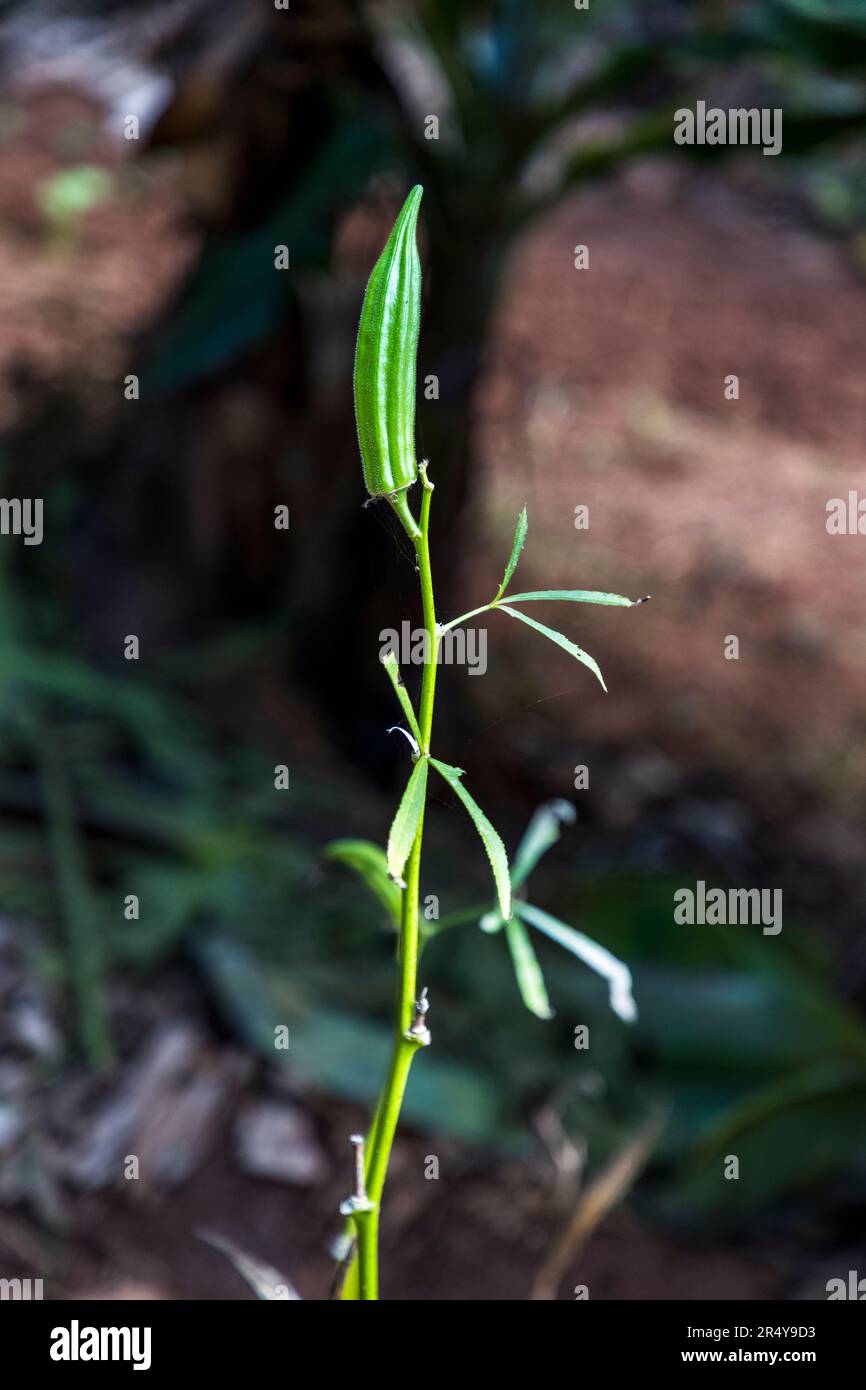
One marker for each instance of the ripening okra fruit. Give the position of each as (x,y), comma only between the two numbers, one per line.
(385,365)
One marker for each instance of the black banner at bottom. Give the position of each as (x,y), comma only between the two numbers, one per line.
(82,1339)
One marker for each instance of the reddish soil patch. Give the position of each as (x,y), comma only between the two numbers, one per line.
(606,389)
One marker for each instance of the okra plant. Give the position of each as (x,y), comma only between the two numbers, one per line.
(385,363)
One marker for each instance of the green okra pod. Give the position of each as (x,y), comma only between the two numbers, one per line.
(385,358)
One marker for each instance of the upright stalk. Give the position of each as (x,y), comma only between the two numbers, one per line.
(368,1255)
(406,1040)
(385,376)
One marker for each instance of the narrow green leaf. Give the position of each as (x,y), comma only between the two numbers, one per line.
(368,861)
(405,824)
(490,837)
(617,974)
(574,596)
(389,661)
(527,971)
(541,833)
(567,646)
(517,545)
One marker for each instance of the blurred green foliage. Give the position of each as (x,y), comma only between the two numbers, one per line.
(65,197)
(111,787)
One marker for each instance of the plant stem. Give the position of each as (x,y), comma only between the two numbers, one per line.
(387,1112)
(367,1226)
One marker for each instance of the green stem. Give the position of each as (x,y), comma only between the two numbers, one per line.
(387,1113)
(400,502)
(367,1226)
(395,1086)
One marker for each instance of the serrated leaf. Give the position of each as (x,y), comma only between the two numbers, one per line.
(369,862)
(389,661)
(561,641)
(490,837)
(573,596)
(527,971)
(517,545)
(541,833)
(616,973)
(404,827)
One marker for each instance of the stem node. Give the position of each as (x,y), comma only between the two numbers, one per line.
(419,1033)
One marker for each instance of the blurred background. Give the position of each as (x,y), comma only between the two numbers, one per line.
(163,388)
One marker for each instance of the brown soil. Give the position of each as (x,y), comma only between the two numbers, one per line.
(480,1232)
